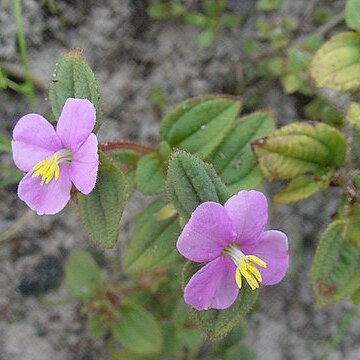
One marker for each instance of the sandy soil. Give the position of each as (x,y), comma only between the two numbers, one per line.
(130,54)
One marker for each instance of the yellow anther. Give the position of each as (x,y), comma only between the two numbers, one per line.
(48,169)
(256,260)
(249,271)
(238,278)
(254,270)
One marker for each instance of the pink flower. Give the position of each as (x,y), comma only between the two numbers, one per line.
(56,159)
(231,238)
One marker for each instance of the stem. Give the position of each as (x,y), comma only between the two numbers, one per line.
(126,145)
(9,233)
(23,52)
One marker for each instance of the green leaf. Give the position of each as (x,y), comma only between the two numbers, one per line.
(9,176)
(137,330)
(234,160)
(124,354)
(153,243)
(5,144)
(336,64)
(299,188)
(190,339)
(101,210)
(217,323)
(268,5)
(196,19)
(300,148)
(355,298)
(352,225)
(198,125)
(206,38)
(82,275)
(320,110)
(150,177)
(73,78)
(335,272)
(352,14)
(96,327)
(298,60)
(231,20)
(190,182)
(165,10)
(126,159)
(353,115)
(292,83)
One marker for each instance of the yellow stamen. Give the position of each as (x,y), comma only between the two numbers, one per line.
(254,270)
(238,278)
(249,271)
(48,169)
(256,260)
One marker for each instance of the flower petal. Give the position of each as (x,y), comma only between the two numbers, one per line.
(273,249)
(47,199)
(206,234)
(76,122)
(213,286)
(34,139)
(248,212)
(84,165)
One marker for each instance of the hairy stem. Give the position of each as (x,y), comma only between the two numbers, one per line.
(126,145)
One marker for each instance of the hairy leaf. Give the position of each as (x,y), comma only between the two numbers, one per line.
(300,148)
(299,188)
(191,181)
(150,177)
(82,275)
(234,160)
(137,330)
(335,272)
(336,64)
(198,125)
(153,243)
(352,225)
(353,115)
(352,14)
(101,210)
(73,78)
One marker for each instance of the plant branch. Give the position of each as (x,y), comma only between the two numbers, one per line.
(126,145)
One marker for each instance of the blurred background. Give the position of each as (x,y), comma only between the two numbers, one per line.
(148,56)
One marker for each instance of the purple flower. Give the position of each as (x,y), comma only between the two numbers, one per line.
(56,159)
(231,238)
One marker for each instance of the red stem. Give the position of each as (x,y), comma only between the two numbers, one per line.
(126,145)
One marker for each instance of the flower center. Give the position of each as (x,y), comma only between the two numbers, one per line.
(245,266)
(49,169)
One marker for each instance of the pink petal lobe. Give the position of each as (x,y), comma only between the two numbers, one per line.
(248,212)
(34,139)
(76,122)
(213,286)
(273,249)
(84,165)
(47,199)
(206,234)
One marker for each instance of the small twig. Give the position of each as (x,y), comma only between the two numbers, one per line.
(323,29)
(17,226)
(126,145)
(19,73)
(337,19)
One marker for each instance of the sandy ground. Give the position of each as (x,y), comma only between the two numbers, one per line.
(130,54)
